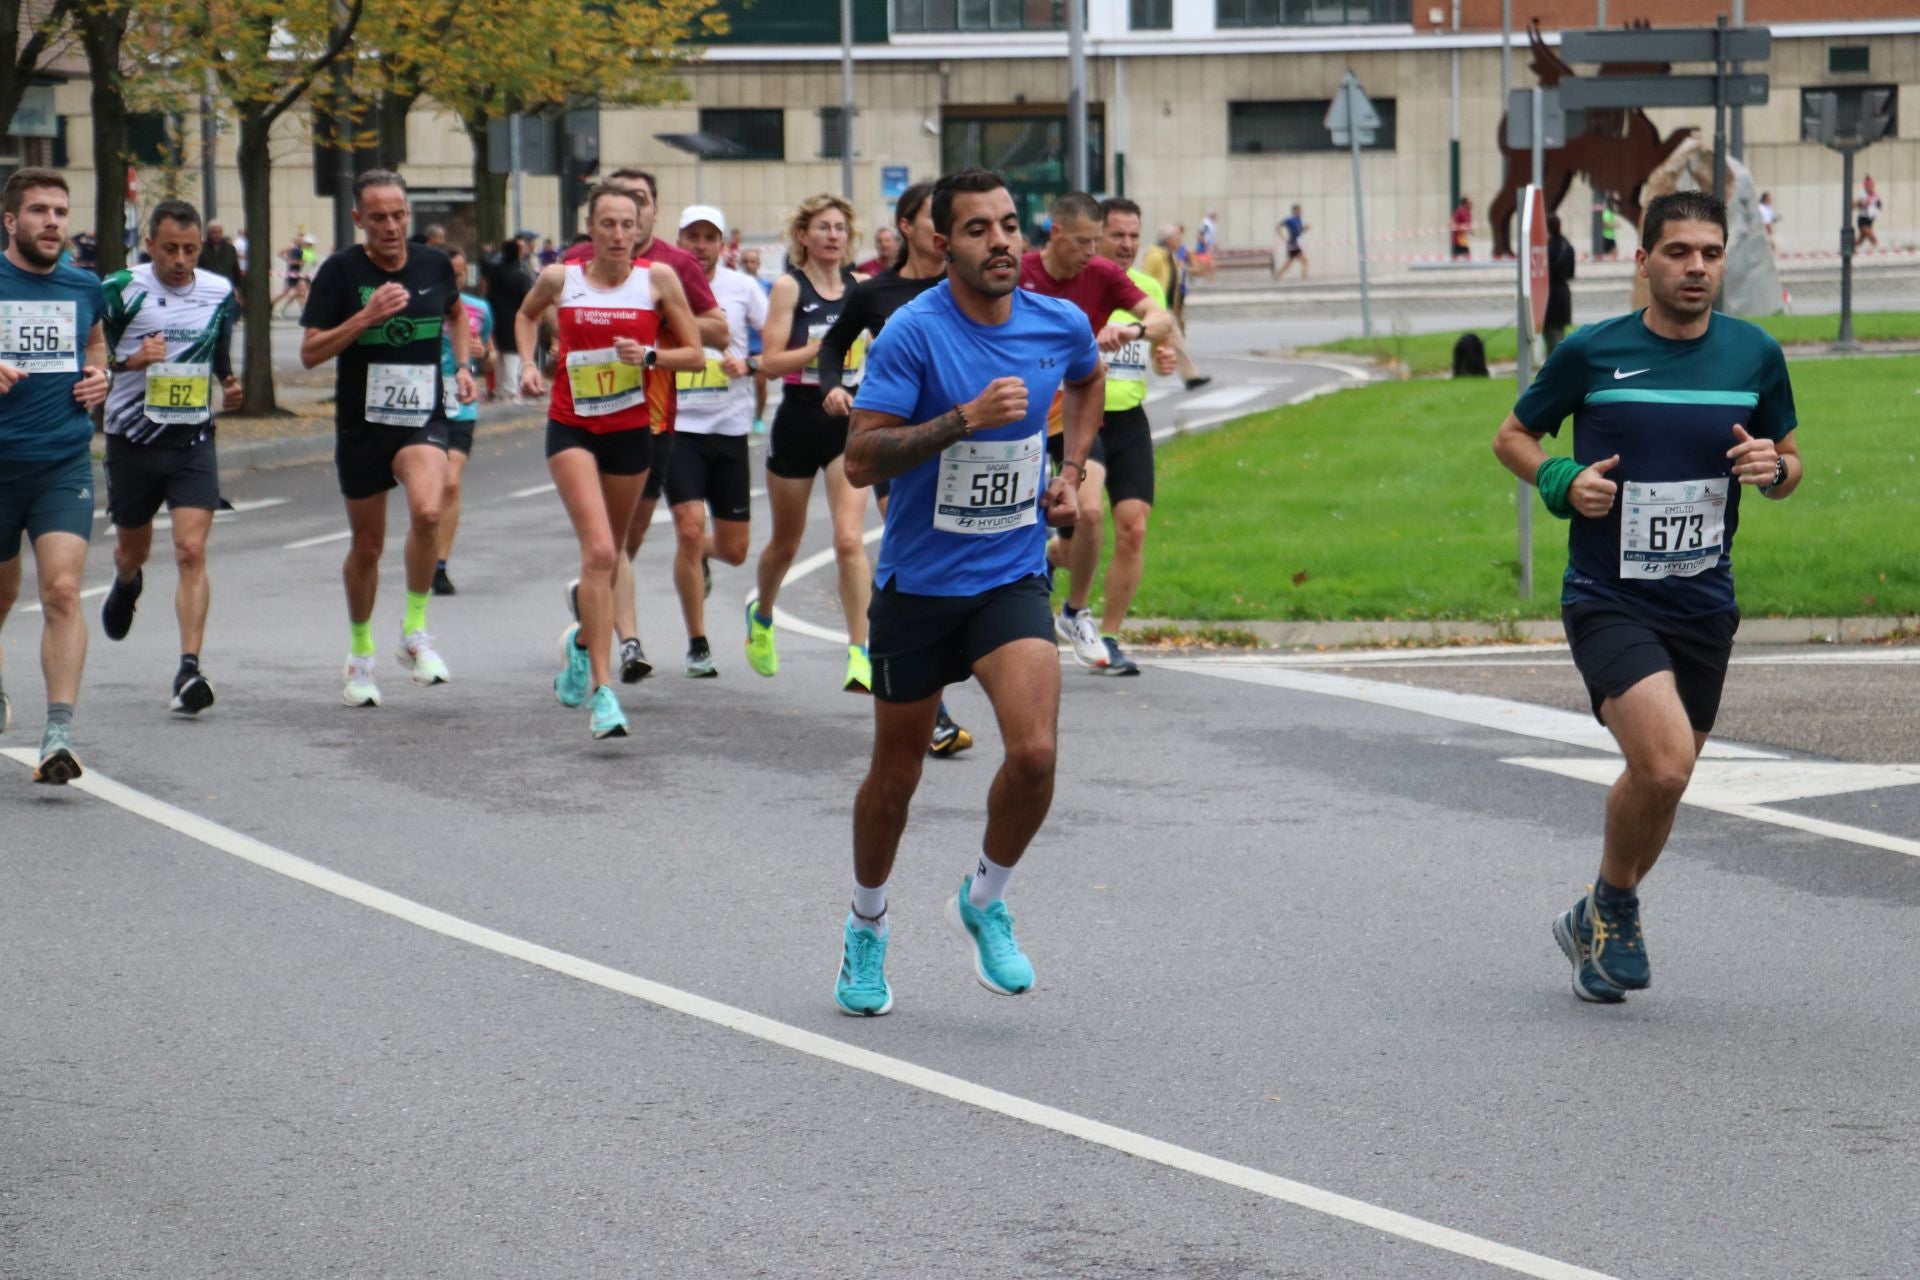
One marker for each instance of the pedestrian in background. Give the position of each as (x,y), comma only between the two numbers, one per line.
(1204,245)
(507,283)
(1560,265)
(1291,228)
(1462,221)
(1866,211)
(1767,216)
(1163,263)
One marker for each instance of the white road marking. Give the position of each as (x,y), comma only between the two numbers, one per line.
(219,517)
(1222,398)
(1285,1190)
(532,490)
(88,594)
(1523,718)
(324,538)
(800,569)
(1745,791)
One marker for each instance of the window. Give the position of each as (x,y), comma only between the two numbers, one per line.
(1311,13)
(153,138)
(919,16)
(833,133)
(1263,128)
(1151,15)
(759,132)
(1844,58)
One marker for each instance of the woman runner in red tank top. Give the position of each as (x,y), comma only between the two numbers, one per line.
(617,319)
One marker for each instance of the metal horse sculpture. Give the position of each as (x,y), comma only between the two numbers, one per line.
(1619,149)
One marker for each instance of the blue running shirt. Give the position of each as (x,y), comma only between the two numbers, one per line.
(1668,408)
(44,322)
(972,519)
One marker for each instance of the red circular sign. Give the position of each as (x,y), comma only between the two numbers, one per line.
(1536,242)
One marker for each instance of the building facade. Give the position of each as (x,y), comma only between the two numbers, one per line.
(1194,105)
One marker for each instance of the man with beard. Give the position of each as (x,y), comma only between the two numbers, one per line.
(53,372)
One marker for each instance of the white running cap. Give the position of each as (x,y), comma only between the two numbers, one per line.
(703,213)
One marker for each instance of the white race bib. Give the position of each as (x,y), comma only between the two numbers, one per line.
(989,486)
(1129,363)
(603,383)
(401,395)
(179,393)
(1672,529)
(705,386)
(40,337)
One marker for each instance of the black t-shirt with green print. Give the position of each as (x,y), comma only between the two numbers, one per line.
(341,288)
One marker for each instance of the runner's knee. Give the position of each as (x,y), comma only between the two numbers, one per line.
(190,554)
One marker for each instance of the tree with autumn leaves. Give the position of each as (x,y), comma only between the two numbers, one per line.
(481,60)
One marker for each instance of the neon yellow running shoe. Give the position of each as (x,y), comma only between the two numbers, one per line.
(859,670)
(761,655)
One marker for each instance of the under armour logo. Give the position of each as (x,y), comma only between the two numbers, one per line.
(1048,362)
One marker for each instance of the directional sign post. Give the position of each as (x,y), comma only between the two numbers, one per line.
(1352,120)
(1846,120)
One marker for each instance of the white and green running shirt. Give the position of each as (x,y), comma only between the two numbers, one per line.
(172,402)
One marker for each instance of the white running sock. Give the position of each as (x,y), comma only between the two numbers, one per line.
(869,907)
(989,883)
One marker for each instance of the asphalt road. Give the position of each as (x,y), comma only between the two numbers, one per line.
(305,991)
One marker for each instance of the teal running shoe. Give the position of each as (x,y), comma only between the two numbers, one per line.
(861,991)
(609,721)
(575,680)
(1619,950)
(58,764)
(997,959)
(1574,932)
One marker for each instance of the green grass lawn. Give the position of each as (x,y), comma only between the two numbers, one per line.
(1386,502)
(1433,352)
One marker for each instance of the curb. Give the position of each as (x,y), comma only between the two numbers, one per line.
(1390,633)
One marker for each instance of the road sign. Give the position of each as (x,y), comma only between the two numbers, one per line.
(1586,93)
(1668,44)
(1533,234)
(1841,118)
(1360,116)
(1557,124)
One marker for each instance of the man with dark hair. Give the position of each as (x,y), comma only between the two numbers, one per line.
(379,309)
(222,257)
(49,384)
(1071,267)
(662,397)
(169,324)
(953,411)
(1675,409)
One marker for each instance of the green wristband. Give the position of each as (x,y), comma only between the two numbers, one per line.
(1553,480)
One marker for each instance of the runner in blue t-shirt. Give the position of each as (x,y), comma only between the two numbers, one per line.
(1674,409)
(953,411)
(462,419)
(53,373)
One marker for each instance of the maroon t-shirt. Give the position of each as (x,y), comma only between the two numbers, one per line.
(1101,288)
(693,280)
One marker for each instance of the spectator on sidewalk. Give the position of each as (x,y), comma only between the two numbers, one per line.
(1609,231)
(221,257)
(1204,245)
(1291,228)
(1462,222)
(1162,262)
(507,284)
(1866,211)
(1560,265)
(1767,216)
(886,249)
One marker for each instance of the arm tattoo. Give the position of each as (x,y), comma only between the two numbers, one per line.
(881,453)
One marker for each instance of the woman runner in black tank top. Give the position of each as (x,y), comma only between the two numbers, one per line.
(806,439)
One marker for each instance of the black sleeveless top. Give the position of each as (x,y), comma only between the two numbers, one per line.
(813,315)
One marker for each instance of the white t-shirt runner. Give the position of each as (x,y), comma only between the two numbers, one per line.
(710,402)
(176,399)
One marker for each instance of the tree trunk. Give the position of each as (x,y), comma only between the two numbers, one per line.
(102,30)
(256,169)
(391,120)
(489,189)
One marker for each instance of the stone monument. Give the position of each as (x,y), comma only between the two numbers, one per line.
(1752,286)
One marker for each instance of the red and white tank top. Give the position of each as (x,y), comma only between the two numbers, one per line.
(593,389)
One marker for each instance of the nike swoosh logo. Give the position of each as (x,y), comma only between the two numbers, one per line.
(1618,374)
(424,292)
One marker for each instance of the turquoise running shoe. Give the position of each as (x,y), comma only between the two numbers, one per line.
(58,764)
(1574,932)
(997,958)
(609,721)
(861,990)
(1619,949)
(575,680)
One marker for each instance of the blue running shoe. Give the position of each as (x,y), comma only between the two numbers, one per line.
(1574,933)
(608,721)
(575,680)
(861,991)
(997,959)
(1619,950)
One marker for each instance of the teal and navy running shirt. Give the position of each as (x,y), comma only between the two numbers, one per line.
(173,402)
(45,321)
(1668,409)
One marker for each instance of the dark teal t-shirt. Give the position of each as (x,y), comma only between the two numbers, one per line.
(1668,409)
(44,324)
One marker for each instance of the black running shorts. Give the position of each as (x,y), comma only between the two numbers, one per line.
(460,435)
(1616,647)
(616,453)
(805,437)
(713,470)
(1127,441)
(922,644)
(663,451)
(364,455)
(142,476)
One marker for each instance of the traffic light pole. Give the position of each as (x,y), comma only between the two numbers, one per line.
(1845,341)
